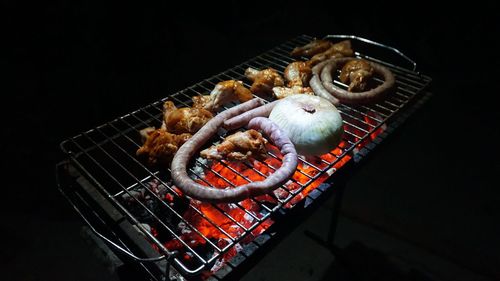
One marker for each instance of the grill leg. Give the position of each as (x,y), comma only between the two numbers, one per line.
(329,242)
(341,260)
(337,201)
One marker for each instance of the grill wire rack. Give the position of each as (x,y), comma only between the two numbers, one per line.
(105,155)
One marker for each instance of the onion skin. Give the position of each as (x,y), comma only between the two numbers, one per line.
(312,123)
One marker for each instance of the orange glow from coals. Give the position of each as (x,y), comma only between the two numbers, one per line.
(222,222)
(373,122)
(227,221)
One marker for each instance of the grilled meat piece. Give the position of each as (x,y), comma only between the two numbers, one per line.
(297,73)
(145,133)
(228,91)
(312,48)
(200,101)
(337,50)
(357,73)
(238,146)
(283,92)
(184,120)
(178,126)
(263,80)
(159,145)
(224,92)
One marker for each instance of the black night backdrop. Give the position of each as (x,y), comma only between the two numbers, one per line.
(75,65)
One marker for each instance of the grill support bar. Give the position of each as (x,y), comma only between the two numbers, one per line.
(68,177)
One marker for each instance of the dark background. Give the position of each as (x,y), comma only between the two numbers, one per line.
(76,65)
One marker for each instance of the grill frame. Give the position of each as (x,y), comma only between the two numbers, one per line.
(410,85)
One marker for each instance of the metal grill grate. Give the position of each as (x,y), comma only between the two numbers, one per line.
(106,156)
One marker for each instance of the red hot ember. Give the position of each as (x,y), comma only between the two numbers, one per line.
(228,227)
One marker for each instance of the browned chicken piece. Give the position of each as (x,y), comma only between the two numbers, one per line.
(337,50)
(312,48)
(298,73)
(184,120)
(224,92)
(283,92)
(168,106)
(238,147)
(145,133)
(200,101)
(228,91)
(263,80)
(357,73)
(160,145)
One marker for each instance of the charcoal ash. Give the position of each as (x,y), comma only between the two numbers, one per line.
(149,205)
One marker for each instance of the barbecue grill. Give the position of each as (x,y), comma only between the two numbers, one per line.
(145,220)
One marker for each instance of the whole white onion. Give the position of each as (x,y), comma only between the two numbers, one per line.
(312,123)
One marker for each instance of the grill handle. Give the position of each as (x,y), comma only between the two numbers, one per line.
(368,41)
(59,168)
